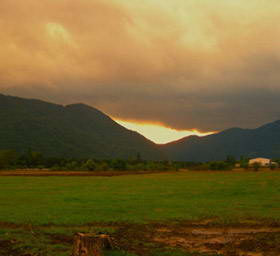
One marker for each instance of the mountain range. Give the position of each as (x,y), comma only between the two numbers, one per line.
(260,142)
(74,130)
(82,131)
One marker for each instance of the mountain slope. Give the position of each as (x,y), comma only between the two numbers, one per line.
(70,131)
(263,141)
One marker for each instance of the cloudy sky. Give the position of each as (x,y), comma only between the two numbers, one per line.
(184,64)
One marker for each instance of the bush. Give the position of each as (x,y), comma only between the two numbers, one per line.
(89,165)
(256,166)
(102,166)
(8,158)
(199,167)
(219,166)
(272,166)
(118,164)
(72,166)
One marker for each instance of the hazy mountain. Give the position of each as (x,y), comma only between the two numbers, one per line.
(79,130)
(261,142)
(71,131)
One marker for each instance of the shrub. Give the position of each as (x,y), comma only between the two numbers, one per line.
(256,166)
(89,165)
(219,166)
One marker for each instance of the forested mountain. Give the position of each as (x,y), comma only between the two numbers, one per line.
(81,131)
(75,130)
(261,142)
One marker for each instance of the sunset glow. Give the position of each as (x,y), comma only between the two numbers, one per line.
(158,133)
(208,64)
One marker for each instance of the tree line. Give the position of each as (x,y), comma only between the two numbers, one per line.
(10,160)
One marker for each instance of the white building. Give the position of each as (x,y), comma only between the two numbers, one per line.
(261,161)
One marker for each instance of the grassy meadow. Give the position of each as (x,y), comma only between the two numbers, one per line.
(43,213)
(227,196)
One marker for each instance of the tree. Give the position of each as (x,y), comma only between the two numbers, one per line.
(219,166)
(102,166)
(89,165)
(72,166)
(244,162)
(8,158)
(138,157)
(256,166)
(33,158)
(118,164)
(231,160)
(272,166)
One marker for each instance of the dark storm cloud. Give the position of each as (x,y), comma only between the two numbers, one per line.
(199,64)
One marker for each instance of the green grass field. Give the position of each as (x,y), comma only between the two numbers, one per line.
(41,214)
(227,196)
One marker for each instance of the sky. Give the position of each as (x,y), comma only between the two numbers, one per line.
(192,66)
(158,133)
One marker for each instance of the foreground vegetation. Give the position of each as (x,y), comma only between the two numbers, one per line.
(129,240)
(39,215)
(229,196)
(10,160)
(153,239)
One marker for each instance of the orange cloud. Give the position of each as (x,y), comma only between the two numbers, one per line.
(187,64)
(159,133)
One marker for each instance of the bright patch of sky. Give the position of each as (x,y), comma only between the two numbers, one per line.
(158,133)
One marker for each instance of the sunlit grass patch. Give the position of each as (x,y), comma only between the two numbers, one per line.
(227,196)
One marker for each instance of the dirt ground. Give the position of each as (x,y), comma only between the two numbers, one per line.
(39,173)
(208,238)
(227,240)
(45,172)
(200,237)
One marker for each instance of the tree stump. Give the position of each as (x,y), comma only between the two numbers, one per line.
(91,244)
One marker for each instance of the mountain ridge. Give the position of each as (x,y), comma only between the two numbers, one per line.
(80,130)
(261,141)
(75,130)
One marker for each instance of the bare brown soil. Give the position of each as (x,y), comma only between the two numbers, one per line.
(38,173)
(235,241)
(201,237)
(7,249)
(238,240)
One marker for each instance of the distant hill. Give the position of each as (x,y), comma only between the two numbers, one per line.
(75,130)
(263,141)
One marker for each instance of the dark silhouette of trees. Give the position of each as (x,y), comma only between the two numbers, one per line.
(10,159)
